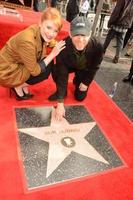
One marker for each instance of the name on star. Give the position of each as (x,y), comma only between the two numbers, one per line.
(62,131)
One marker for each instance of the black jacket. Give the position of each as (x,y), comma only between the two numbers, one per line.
(122,14)
(72,10)
(66,62)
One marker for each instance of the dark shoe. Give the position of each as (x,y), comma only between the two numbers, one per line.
(53,97)
(127,78)
(80,95)
(28,94)
(19,98)
(116,59)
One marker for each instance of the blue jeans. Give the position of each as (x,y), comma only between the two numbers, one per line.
(119,39)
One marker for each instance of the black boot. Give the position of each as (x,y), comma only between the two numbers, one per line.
(80,95)
(127,78)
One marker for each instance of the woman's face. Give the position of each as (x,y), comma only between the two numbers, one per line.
(80,41)
(49,30)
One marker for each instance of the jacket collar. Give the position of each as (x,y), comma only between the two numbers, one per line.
(38,38)
(41,45)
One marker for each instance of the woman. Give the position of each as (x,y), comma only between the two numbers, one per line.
(23,59)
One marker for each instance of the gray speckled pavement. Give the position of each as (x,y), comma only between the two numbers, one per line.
(110,73)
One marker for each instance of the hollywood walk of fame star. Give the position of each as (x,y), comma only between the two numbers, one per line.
(64,138)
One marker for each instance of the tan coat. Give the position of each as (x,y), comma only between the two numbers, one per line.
(19,57)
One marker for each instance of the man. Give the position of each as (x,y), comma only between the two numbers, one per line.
(82,55)
(121,19)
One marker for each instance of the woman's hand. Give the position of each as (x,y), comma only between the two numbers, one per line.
(58,48)
(55,51)
(59,112)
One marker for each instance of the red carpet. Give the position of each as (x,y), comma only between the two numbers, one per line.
(117,128)
(10,25)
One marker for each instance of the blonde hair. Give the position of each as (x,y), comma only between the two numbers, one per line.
(54,15)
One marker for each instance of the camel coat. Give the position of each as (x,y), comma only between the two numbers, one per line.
(19,57)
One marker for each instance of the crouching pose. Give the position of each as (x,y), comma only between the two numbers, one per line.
(82,55)
(23,59)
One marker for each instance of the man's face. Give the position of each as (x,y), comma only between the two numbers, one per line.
(48,30)
(80,41)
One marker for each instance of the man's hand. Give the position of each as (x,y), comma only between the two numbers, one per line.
(59,112)
(82,87)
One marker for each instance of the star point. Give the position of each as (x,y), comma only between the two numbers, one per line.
(64,138)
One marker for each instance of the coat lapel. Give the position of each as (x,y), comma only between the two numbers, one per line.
(41,46)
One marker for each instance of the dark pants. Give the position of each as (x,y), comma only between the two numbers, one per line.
(79,78)
(53,3)
(70,17)
(41,77)
(127,36)
(119,39)
(36,5)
